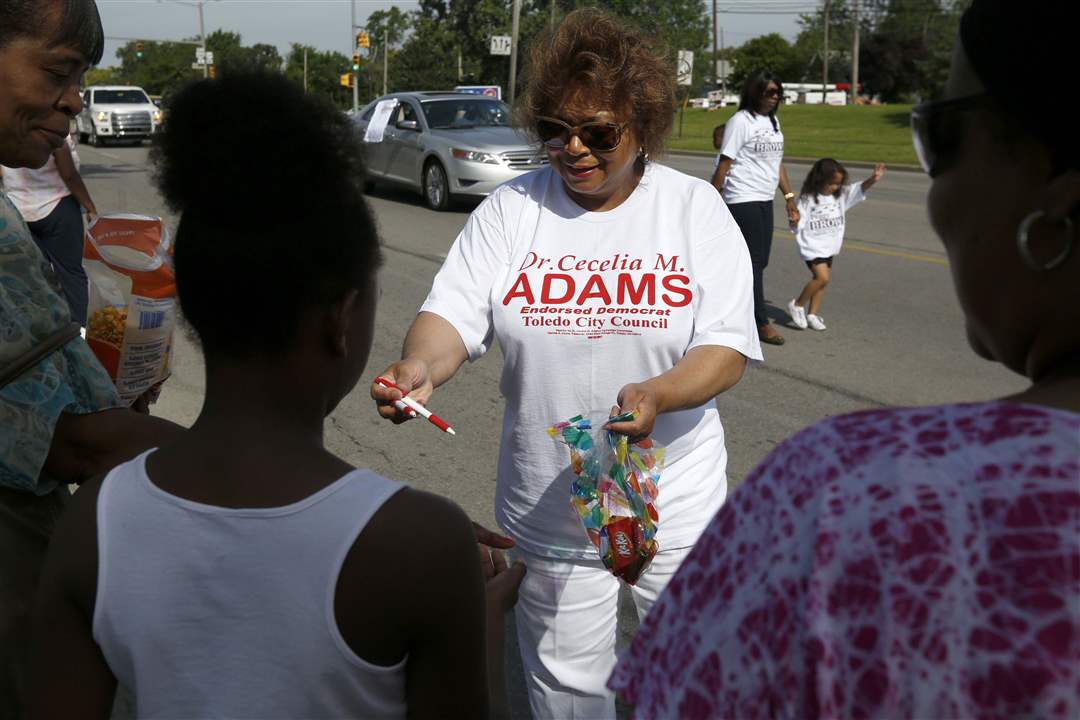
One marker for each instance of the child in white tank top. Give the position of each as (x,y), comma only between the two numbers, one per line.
(244,570)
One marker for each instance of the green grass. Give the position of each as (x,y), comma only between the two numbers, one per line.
(870,133)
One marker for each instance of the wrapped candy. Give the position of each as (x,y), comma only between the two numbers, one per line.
(614,492)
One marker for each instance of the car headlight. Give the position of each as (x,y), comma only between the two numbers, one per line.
(103,117)
(476,156)
(157,116)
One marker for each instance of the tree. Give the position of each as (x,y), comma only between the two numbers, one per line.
(324,73)
(162,70)
(906,56)
(393,24)
(229,53)
(809,46)
(428,59)
(102,76)
(767,52)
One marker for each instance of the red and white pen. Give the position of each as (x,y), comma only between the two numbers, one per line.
(416,407)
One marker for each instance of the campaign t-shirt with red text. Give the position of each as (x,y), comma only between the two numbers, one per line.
(583,303)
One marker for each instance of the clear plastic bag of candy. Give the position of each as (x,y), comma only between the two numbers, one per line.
(614,491)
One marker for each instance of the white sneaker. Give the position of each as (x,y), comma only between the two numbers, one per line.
(815,322)
(798,314)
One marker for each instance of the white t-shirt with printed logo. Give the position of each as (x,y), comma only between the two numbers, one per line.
(756,150)
(820,231)
(583,303)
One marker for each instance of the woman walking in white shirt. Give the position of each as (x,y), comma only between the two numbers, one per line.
(607,279)
(749,169)
(51,200)
(823,203)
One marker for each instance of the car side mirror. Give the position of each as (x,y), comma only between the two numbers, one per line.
(408,125)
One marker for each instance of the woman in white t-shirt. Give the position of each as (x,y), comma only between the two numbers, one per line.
(51,199)
(606,279)
(748,170)
(823,203)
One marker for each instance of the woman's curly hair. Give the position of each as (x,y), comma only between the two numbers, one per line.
(615,66)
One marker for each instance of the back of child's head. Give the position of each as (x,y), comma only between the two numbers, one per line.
(268,180)
(821,176)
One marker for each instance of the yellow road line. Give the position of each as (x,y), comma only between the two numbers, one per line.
(877,251)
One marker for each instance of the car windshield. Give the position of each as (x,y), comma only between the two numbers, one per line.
(458,113)
(121,97)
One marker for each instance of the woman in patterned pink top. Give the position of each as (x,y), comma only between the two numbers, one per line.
(920,562)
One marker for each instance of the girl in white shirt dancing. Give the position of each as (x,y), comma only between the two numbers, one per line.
(819,233)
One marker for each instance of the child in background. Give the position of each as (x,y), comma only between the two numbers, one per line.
(243,570)
(823,202)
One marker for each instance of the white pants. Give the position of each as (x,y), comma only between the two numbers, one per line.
(566,617)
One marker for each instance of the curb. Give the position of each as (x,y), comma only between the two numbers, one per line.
(861,164)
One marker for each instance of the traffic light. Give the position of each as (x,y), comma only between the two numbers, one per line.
(362,40)
(139,49)
(356,62)
(210,72)
(347,80)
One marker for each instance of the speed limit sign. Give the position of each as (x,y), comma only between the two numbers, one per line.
(500,44)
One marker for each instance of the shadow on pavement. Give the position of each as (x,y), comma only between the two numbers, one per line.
(93,170)
(393,193)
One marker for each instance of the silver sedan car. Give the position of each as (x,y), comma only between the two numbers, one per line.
(446,145)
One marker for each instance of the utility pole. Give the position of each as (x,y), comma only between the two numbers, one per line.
(855,57)
(305,69)
(723,75)
(202,37)
(514,49)
(825,62)
(460,73)
(715,57)
(385,55)
(352,44)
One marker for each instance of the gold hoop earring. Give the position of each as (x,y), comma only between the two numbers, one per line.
(1024,248)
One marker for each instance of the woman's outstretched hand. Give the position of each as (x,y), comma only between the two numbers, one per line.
(413,377)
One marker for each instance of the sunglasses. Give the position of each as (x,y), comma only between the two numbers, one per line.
(936,134)
(599,136)
(771,93)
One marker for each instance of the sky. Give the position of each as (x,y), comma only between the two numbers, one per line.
(324,24)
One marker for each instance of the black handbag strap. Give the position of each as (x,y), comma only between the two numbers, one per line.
(34,355)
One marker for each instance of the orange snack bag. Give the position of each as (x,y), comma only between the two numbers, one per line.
(132,308)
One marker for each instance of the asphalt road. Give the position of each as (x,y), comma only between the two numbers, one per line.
(895,337)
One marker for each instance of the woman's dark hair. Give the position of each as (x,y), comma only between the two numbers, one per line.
(615,66)
(754,90)
(268,181)
(820,175)
(1040,35)
(71,23)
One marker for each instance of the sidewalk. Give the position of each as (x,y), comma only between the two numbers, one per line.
(901,167)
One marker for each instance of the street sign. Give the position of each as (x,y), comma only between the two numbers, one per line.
(500,44)
(494,91)
(685,68)
(197,66)
(209,57)
(200,55)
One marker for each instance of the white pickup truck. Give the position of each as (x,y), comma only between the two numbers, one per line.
(117,113)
